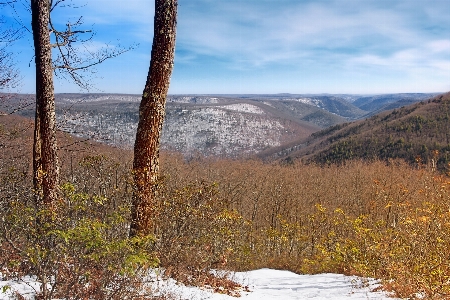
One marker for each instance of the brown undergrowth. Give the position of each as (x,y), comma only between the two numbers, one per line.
(384,220)
(380,219)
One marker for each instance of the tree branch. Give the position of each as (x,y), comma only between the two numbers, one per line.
(69,62)
(7,2)
(9,75)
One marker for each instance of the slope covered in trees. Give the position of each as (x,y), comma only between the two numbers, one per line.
(418,133)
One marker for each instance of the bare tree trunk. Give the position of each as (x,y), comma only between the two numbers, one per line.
(151,117)
(45,159)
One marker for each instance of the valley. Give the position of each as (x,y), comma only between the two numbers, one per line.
(214,125)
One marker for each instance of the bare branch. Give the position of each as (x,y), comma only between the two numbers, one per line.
(9,75)
(99,59)
(7,2)
(65,147)
(71,62)
(20,107)
(16,15)
(64,38)
(58,2)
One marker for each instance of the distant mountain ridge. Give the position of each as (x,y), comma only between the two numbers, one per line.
(215,125)
(418,133)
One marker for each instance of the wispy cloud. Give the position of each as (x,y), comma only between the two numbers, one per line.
(401,36)
(236,46)
(262,34)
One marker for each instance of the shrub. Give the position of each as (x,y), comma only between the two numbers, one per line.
(196,232)
(74,249)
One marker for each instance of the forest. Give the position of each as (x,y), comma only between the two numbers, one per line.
(88,220)
(386,219)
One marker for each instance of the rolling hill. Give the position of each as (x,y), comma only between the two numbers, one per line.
(212,125)
(418,133)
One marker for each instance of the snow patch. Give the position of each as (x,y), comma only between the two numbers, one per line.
(26,287)
(310,101)
(264,284)
(244,107)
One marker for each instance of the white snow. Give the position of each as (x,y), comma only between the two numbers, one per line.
(216,130)
(244,107)
(263,284)
(310,101)
(268,284)
(26,287)
(275,284)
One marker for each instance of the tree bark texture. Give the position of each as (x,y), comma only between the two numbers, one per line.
(45,159)
(151,117)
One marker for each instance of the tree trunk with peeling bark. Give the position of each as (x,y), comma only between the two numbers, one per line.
(45,159)
(151,118)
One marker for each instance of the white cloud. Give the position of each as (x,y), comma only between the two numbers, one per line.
(441,66)
(287,32)
(439,46)
(274,44)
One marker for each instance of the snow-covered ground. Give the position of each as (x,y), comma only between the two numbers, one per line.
(27,288)
(263,284)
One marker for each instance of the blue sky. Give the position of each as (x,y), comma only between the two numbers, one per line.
(266,46)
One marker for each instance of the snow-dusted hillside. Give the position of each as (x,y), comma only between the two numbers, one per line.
(233,125)
(229,125)
(193,124)
(221,130)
